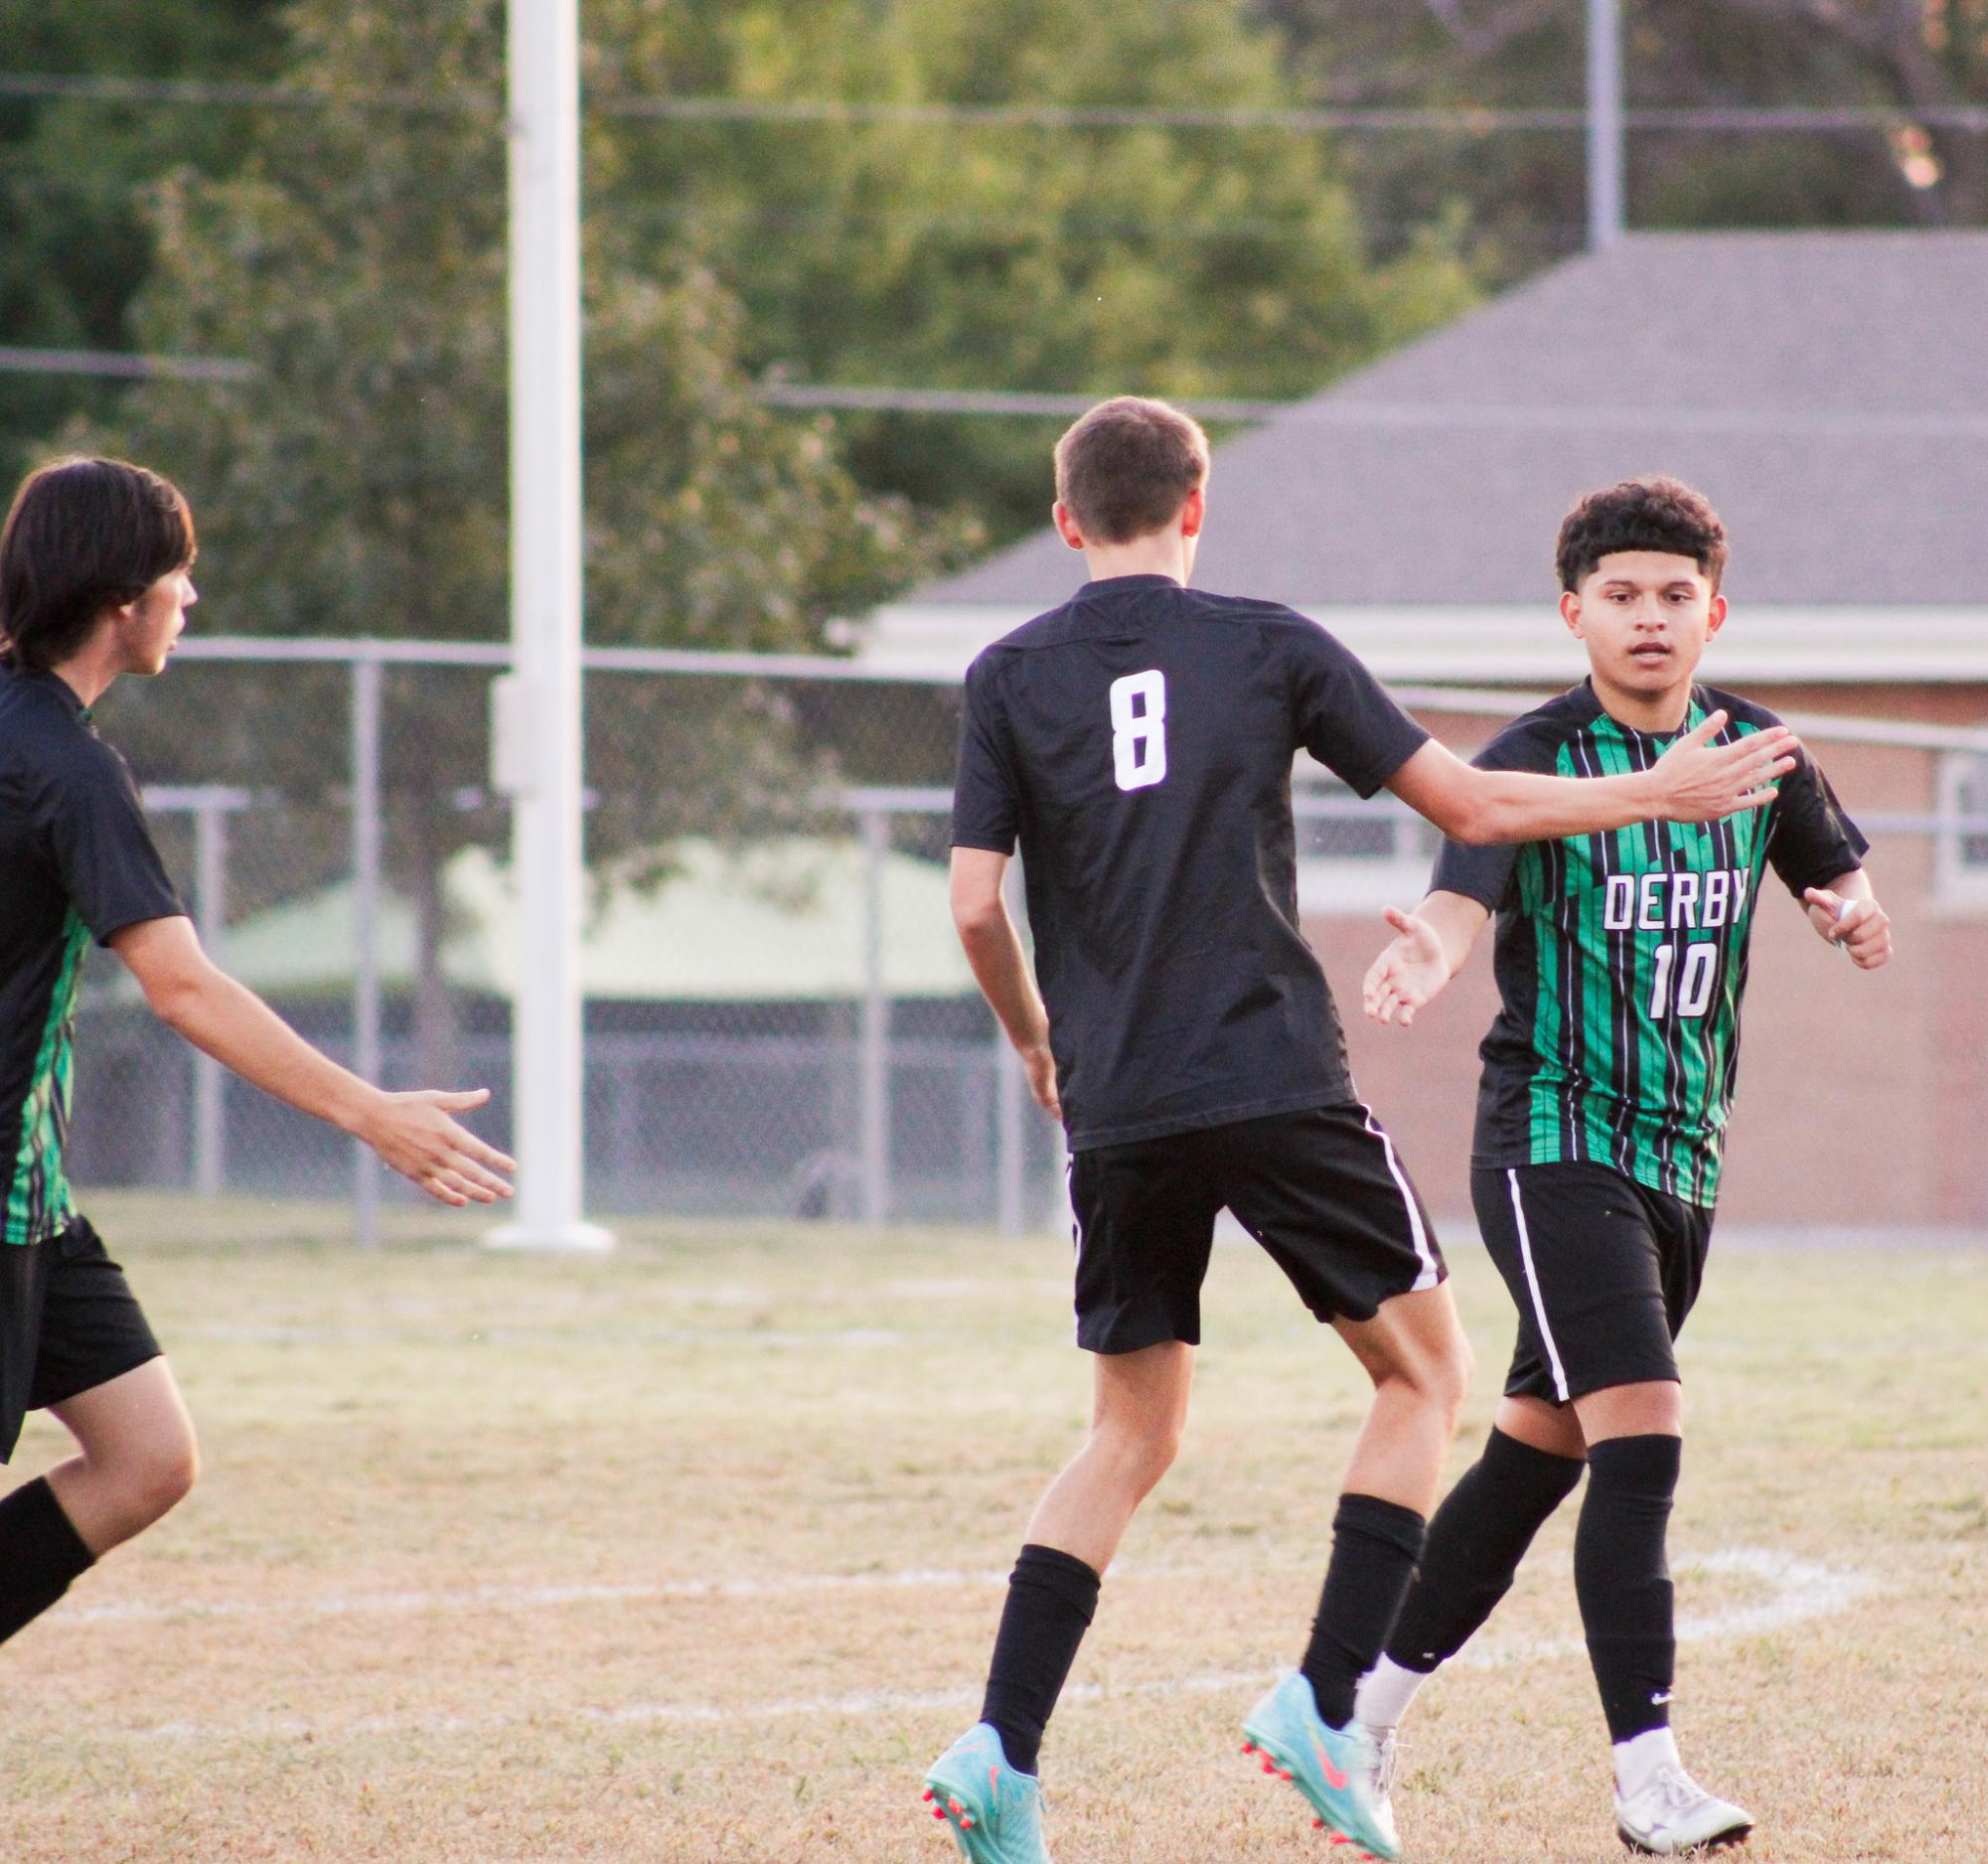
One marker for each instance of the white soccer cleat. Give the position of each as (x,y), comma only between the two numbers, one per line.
(1674,1816)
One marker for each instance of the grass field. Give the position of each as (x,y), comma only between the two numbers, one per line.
(691,1554)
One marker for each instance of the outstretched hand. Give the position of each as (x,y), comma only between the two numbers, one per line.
(415,1135)
(1701,781)
(1408,973)
(1861,927)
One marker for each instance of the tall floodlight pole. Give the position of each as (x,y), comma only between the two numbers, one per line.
(537,740)
(1605,123)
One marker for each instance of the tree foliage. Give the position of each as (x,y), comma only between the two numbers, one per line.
(1193,261)
(1523,194)
(357,483)
(74,245)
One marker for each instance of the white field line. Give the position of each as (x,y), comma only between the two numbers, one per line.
(473,1598)
(1805,1589)
(1799,1589)
(288,1334)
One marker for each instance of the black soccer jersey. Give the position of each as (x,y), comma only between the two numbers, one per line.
(1622,958)
(77,861)
(1138,741)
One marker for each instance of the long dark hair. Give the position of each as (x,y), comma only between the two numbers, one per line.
(83,536)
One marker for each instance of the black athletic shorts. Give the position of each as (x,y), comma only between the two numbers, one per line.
(1603,1271)
(68,1322)
(1322,1190)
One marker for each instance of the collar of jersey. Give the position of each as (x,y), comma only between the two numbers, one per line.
(1143,580)
(1593,711)
(45,680)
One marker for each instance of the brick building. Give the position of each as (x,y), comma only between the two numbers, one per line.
(1830,392)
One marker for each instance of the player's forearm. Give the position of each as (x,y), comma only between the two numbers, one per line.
(994,955)
(1516,806)
(229,1021)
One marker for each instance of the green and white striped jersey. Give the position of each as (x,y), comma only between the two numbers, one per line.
(77,863)
(1622,958)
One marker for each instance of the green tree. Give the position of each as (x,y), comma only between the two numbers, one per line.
(1524,194)
(74,245)
(357,483)
(1197,261)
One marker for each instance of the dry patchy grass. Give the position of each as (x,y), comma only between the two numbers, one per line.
(687,1555)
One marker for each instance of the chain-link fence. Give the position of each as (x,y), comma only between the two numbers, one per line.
(779,1019)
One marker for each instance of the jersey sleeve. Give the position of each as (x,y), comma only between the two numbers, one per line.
(1344,716)
(1810,840)
(987,799)
(1486,873)
(103,851)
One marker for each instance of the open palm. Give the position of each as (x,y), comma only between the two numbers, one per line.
(1408,973)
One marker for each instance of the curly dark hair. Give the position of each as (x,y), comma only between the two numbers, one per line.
(1648,513)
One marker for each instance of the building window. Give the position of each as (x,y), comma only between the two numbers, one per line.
(1960,858)
(1355,855)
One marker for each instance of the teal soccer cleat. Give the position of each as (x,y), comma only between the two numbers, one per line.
(1336,1769)
(994,1813)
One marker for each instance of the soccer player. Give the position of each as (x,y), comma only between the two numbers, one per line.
(95,583)
(1137,743)
(1609,1075)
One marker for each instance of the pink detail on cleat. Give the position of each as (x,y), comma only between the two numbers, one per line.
(938,1811)
(1249,1747)
(966,1821)
(929,1795)
(955,1808)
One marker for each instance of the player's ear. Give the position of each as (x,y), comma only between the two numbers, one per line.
(1065,522)
(1714,617)
(1570,611)
(1193,512)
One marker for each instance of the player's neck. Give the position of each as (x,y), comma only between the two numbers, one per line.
(1657,714)
(88,673)
(1162,554)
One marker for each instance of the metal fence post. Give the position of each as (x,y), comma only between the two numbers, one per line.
(874,1095)
(210,917)
(367,676)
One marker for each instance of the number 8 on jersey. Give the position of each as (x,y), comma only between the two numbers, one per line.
(1139,729)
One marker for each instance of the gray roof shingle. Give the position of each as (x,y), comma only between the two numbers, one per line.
(1829,392)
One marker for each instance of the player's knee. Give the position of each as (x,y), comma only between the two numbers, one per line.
(1141,1453)
(161,1476)
(1440,1379)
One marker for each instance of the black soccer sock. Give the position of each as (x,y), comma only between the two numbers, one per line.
(40,1554)
(1051,1599)
(1623,1581)
(1476,1543)
(1375,1545)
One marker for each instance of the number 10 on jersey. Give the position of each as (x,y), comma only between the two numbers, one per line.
(1139,729)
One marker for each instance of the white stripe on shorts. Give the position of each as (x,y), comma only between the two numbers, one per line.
(1538,1299)
(1430,1275)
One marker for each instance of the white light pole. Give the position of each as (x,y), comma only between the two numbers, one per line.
(1605,124)
(537,743)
